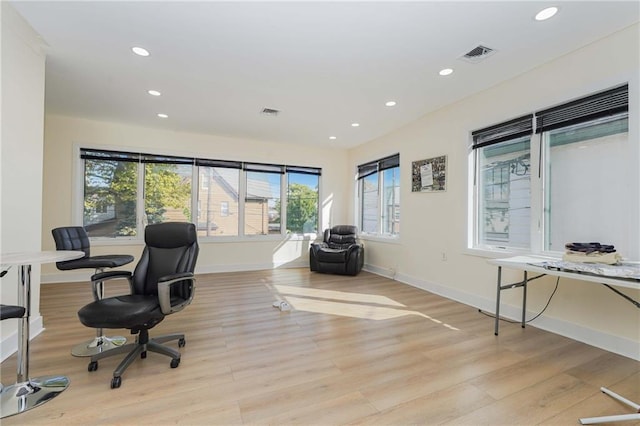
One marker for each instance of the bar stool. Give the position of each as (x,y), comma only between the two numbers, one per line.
(27,392)
(76,238)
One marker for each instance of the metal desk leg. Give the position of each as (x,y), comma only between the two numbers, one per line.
(524,298)
(27,392)
(614,418)
(499,288)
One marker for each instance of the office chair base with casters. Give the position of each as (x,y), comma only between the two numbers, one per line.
(140,348)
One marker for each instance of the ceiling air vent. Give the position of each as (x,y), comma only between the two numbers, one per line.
(477,54)
(270,112)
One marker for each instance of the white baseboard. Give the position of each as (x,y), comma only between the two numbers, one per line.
(619,345)
(9,344)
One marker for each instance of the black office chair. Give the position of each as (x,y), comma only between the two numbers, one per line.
(76,238)
(162,283)
(339,253)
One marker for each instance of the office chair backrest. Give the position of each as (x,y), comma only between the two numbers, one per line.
(71,238)
(171,247)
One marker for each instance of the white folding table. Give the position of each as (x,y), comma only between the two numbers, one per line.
(529,264)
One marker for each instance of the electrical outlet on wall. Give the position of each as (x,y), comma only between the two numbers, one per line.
(443,256)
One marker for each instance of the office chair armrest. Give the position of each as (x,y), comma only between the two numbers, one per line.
(99,278)
(164,292)
(103,276)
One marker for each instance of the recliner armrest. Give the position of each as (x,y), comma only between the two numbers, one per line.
(354,247)
(164,291)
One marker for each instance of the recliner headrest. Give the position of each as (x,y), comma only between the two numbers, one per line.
(344,229)
(170,234)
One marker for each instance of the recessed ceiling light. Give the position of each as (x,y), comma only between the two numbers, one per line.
(390,103)
(446,71)
(154,93)
(355,124)
(333,138)
(141,51)
(161,115)
(546,13)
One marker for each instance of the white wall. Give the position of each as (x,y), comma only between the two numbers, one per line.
(251,253)
(21,159)
(436,223)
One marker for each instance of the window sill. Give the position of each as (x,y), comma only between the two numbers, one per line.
(209,240)
(380,238)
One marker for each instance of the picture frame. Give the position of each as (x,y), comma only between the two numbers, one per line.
(429,175)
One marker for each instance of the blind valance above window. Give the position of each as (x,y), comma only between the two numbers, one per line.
(103,154)
(98,154)
(512,129)
(372,167)
(609,102)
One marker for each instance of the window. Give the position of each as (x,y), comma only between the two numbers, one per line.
(110,195)
(302,202)
(262,203)
(379,196)
(167,192)
(568,181)
(123,191)
(219,194)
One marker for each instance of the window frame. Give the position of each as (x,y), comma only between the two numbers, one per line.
(377,168)
(608,103)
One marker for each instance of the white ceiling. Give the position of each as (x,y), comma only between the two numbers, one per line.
(324,65)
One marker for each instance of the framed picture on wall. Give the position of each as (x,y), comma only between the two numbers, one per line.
(429,175)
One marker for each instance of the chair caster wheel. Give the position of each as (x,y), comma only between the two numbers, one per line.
(93,366)
(116,382)
(175,363)
(181,343)
(143,354)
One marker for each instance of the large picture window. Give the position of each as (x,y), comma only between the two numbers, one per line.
(567,180)
(379,196)
(123,191)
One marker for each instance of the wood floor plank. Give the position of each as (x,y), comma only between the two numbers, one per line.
(353,350)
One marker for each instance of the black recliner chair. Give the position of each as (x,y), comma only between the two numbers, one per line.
(162,283)
(76,238)
(339,253)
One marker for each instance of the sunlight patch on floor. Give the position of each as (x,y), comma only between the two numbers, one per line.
(336,295)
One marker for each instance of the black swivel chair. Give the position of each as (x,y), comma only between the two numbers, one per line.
(162,283)
(76,238)
(339,253)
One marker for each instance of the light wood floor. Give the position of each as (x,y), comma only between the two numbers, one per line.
(363,350)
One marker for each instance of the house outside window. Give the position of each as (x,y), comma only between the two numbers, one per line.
(379,197)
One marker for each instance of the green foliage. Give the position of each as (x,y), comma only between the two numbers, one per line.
(114,185)
(301,208)
(164,187)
